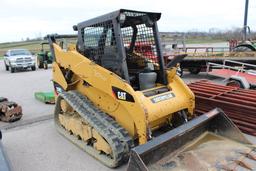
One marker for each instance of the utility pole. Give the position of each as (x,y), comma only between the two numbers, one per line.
(245,19)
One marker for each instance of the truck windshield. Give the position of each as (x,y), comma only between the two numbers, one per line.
(20,52)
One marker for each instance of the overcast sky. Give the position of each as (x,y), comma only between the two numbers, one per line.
(31,18)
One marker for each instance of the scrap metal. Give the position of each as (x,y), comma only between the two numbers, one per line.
(9,111)
(239,104)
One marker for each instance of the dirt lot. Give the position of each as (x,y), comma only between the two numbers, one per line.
(36,145)
(20,87)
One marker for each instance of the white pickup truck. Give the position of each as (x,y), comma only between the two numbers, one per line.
(15,59)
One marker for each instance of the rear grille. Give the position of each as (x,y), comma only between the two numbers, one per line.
(156,91)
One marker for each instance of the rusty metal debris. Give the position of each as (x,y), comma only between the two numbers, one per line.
(238,104)
(9,111)
(235,163)
(248,155)
(243,164)
(224,167)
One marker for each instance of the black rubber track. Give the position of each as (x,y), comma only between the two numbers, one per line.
(116,136)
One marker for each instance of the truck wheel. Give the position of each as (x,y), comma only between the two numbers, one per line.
(194,70)
(40,63)
(45,65)
(6,67)
(12,70)
(234,83)
(33,68)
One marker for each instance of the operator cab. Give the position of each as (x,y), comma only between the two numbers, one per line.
(45,52)
(127,43)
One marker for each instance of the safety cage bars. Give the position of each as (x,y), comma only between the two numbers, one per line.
(100,45)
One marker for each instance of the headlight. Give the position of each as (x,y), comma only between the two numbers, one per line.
(12,60)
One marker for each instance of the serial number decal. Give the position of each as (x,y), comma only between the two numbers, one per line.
(162,97)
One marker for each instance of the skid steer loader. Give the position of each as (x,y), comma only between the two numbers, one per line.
(112,96)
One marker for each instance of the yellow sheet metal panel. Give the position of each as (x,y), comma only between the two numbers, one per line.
(103,81)
(137,115)
(58,76)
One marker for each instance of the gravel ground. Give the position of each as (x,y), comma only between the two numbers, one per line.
(38,146)
(20,87)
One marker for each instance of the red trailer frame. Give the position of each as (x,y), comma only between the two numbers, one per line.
(238,69)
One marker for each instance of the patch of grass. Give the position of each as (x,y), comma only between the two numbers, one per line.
(33,46)
(191,39)
(200,41)
(18,44)
(1,57)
